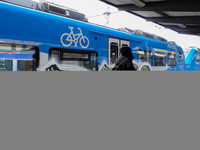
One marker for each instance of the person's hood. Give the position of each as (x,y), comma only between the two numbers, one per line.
(126,51)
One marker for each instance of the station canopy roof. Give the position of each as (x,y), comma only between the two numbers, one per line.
(182,16)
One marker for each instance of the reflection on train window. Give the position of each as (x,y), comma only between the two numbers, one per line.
(145,56)
(160,59)
(15,57)
(172,59)
(82,58)
(113,52)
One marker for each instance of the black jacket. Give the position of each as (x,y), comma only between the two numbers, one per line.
(126,54)
(126,65)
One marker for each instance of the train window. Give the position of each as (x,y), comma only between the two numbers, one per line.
(171,59)
(197,56)
(180,55)
(82,58)
(15,57)
(6,65)
(114,52)
(160,59)
(13,47)
(145,56)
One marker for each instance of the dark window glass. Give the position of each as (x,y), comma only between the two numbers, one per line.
(23,65)
(113,52)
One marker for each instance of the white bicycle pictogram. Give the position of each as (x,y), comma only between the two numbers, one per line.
(68,38)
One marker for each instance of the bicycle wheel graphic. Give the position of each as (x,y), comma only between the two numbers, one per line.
(66,39)
(84,42)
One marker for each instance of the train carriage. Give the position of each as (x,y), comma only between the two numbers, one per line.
(33,40)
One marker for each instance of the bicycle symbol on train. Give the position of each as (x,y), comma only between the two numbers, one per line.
(68,38)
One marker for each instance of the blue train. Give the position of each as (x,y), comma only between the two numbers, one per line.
(192,59)
(32,40)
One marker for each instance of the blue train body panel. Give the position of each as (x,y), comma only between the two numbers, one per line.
(192,60)
(52,35)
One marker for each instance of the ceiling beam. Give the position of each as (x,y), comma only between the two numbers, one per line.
(190,28)
(187,5)
(190,33)
(183,20)
(109,3)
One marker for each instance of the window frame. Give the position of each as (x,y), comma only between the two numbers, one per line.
(168,54)
(75,51)
(164,57)
(13,48)
(150,54)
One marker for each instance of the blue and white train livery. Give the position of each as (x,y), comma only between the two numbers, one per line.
(33,40)
(192,59)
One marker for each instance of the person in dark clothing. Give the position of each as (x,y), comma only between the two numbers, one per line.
(124,62)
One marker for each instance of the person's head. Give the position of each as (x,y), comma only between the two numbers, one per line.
(126,51)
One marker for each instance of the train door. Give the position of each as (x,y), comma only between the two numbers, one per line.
(113,49)
(124,43)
